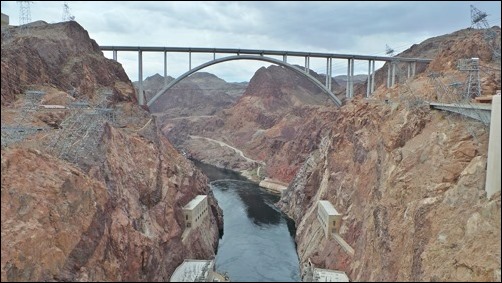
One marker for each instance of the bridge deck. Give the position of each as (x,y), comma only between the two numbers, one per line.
(478,111)
(261,52)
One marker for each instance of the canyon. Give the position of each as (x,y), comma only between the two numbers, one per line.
(408,181)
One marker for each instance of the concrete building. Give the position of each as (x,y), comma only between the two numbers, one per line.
(327,275)
(330,219)
(5,20)
(193,270)
(195,211)
(492,184)
(313,274)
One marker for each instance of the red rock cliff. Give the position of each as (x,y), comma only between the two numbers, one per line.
(113,213)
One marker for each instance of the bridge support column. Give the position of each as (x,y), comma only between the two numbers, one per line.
(393,79)
(165,67)
(388,74)
(330,82)
(349,93)
(285,58)
(351,77)
(413,69)
(189,60)
(307,64)
(140,78)
(328,71)
(115,55)
(373,76)
(368,83)
(347,88)
(492,184)
(409,70)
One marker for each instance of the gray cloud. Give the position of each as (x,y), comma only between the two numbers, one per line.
(338,27)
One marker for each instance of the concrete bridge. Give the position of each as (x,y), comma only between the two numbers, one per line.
(264,55)
(477,111)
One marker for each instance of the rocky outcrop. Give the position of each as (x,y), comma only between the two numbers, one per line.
(60,55)
(112,213)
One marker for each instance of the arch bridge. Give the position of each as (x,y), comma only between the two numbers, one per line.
(264,55)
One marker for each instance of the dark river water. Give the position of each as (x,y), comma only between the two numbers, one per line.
(258,239)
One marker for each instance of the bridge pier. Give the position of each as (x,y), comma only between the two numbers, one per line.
(140,78)
(369,83)
(189,60)
(373,76)
(492,184)
(165,67)
(115,55)
(349,92)
(393,79)
(307,64)
(328,73)
(388,75)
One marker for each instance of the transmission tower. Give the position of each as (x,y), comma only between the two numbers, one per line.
(473,84)
(478,19)
(66,13)
(389,51)
(24,14)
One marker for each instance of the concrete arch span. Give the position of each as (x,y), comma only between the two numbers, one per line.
(247,57)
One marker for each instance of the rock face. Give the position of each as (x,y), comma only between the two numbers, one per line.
(49,55)
(111,214)
(408,181)
(410,186)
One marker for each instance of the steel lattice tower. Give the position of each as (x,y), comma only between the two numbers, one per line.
(479,21)
(66,13)
(478,18)
(473,84)
(24,13)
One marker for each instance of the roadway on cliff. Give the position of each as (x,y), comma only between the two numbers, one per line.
(231,147)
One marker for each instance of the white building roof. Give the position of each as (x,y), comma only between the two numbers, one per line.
(328,207)
(191,269)
(326,275)
(193,203)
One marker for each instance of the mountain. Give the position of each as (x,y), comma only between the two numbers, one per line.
(91,191)
(270,120)
(198,95)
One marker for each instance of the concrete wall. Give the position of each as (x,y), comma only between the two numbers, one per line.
(492,184)
(329,218)
(5,20)
(195,211)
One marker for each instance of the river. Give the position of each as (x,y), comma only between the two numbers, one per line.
(258,239)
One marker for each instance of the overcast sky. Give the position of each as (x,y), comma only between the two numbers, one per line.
(334,27)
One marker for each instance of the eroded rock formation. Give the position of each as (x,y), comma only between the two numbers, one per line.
(112,213)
